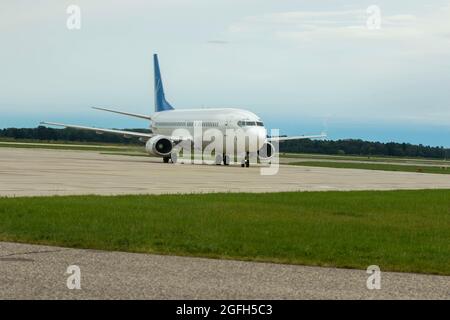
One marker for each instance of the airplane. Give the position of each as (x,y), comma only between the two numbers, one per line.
(161,142)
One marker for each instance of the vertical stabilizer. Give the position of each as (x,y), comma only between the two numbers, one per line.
(160,101)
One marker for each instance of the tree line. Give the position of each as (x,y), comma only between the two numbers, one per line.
(338,147)
(67,134)
(364,148)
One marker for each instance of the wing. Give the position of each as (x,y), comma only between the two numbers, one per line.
(99,130)
(136,115)
(281,139)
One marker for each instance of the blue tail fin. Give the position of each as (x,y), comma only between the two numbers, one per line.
(160,101)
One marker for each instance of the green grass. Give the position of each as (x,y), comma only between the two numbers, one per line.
(374,166)
(65,142)
(69,146)
(87,148)
(406,231)
(131,154)
(390,159)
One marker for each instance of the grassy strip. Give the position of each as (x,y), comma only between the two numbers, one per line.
(63,142)
(375,166)
(131,154)
(68,147)
(365,158)
(406,231)
(138,150)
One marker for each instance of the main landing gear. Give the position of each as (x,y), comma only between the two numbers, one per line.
(220,159)
(224,158)
(173,158)
(246,161)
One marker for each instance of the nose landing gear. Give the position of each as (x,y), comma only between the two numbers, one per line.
(226,159)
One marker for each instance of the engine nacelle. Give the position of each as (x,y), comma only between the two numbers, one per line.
(159,146)
(267,151)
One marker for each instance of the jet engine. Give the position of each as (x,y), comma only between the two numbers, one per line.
(267,151)
(159,146)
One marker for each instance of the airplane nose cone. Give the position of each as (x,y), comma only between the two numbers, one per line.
(262,135)
(259,133)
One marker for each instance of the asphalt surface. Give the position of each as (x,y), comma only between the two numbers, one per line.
(40,172)
(39,272)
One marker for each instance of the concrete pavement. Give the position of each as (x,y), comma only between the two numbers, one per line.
(39,272)
(40,172)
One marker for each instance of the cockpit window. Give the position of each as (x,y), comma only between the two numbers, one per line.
(250,123)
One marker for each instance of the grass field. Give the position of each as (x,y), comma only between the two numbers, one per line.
(406,231)
(139,150)
(71,146)
(389,159)
(375,166)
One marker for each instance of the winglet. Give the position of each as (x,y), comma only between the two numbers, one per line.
(160,101)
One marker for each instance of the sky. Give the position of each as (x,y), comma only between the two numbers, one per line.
(302,66)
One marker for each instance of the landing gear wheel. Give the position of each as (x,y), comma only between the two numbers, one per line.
(174,157)
(226,159)
(219,160)
(166,159)
(247,163)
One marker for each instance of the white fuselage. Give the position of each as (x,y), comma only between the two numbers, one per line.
(168,123)
(224,119)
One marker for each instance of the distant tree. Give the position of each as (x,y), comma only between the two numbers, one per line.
(366,148)
(340,147)
(49,134)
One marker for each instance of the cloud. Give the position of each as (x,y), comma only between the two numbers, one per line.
(309,26)
(295,21)
(217,42)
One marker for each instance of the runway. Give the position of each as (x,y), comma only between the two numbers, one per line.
(41,172)
(39,272)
